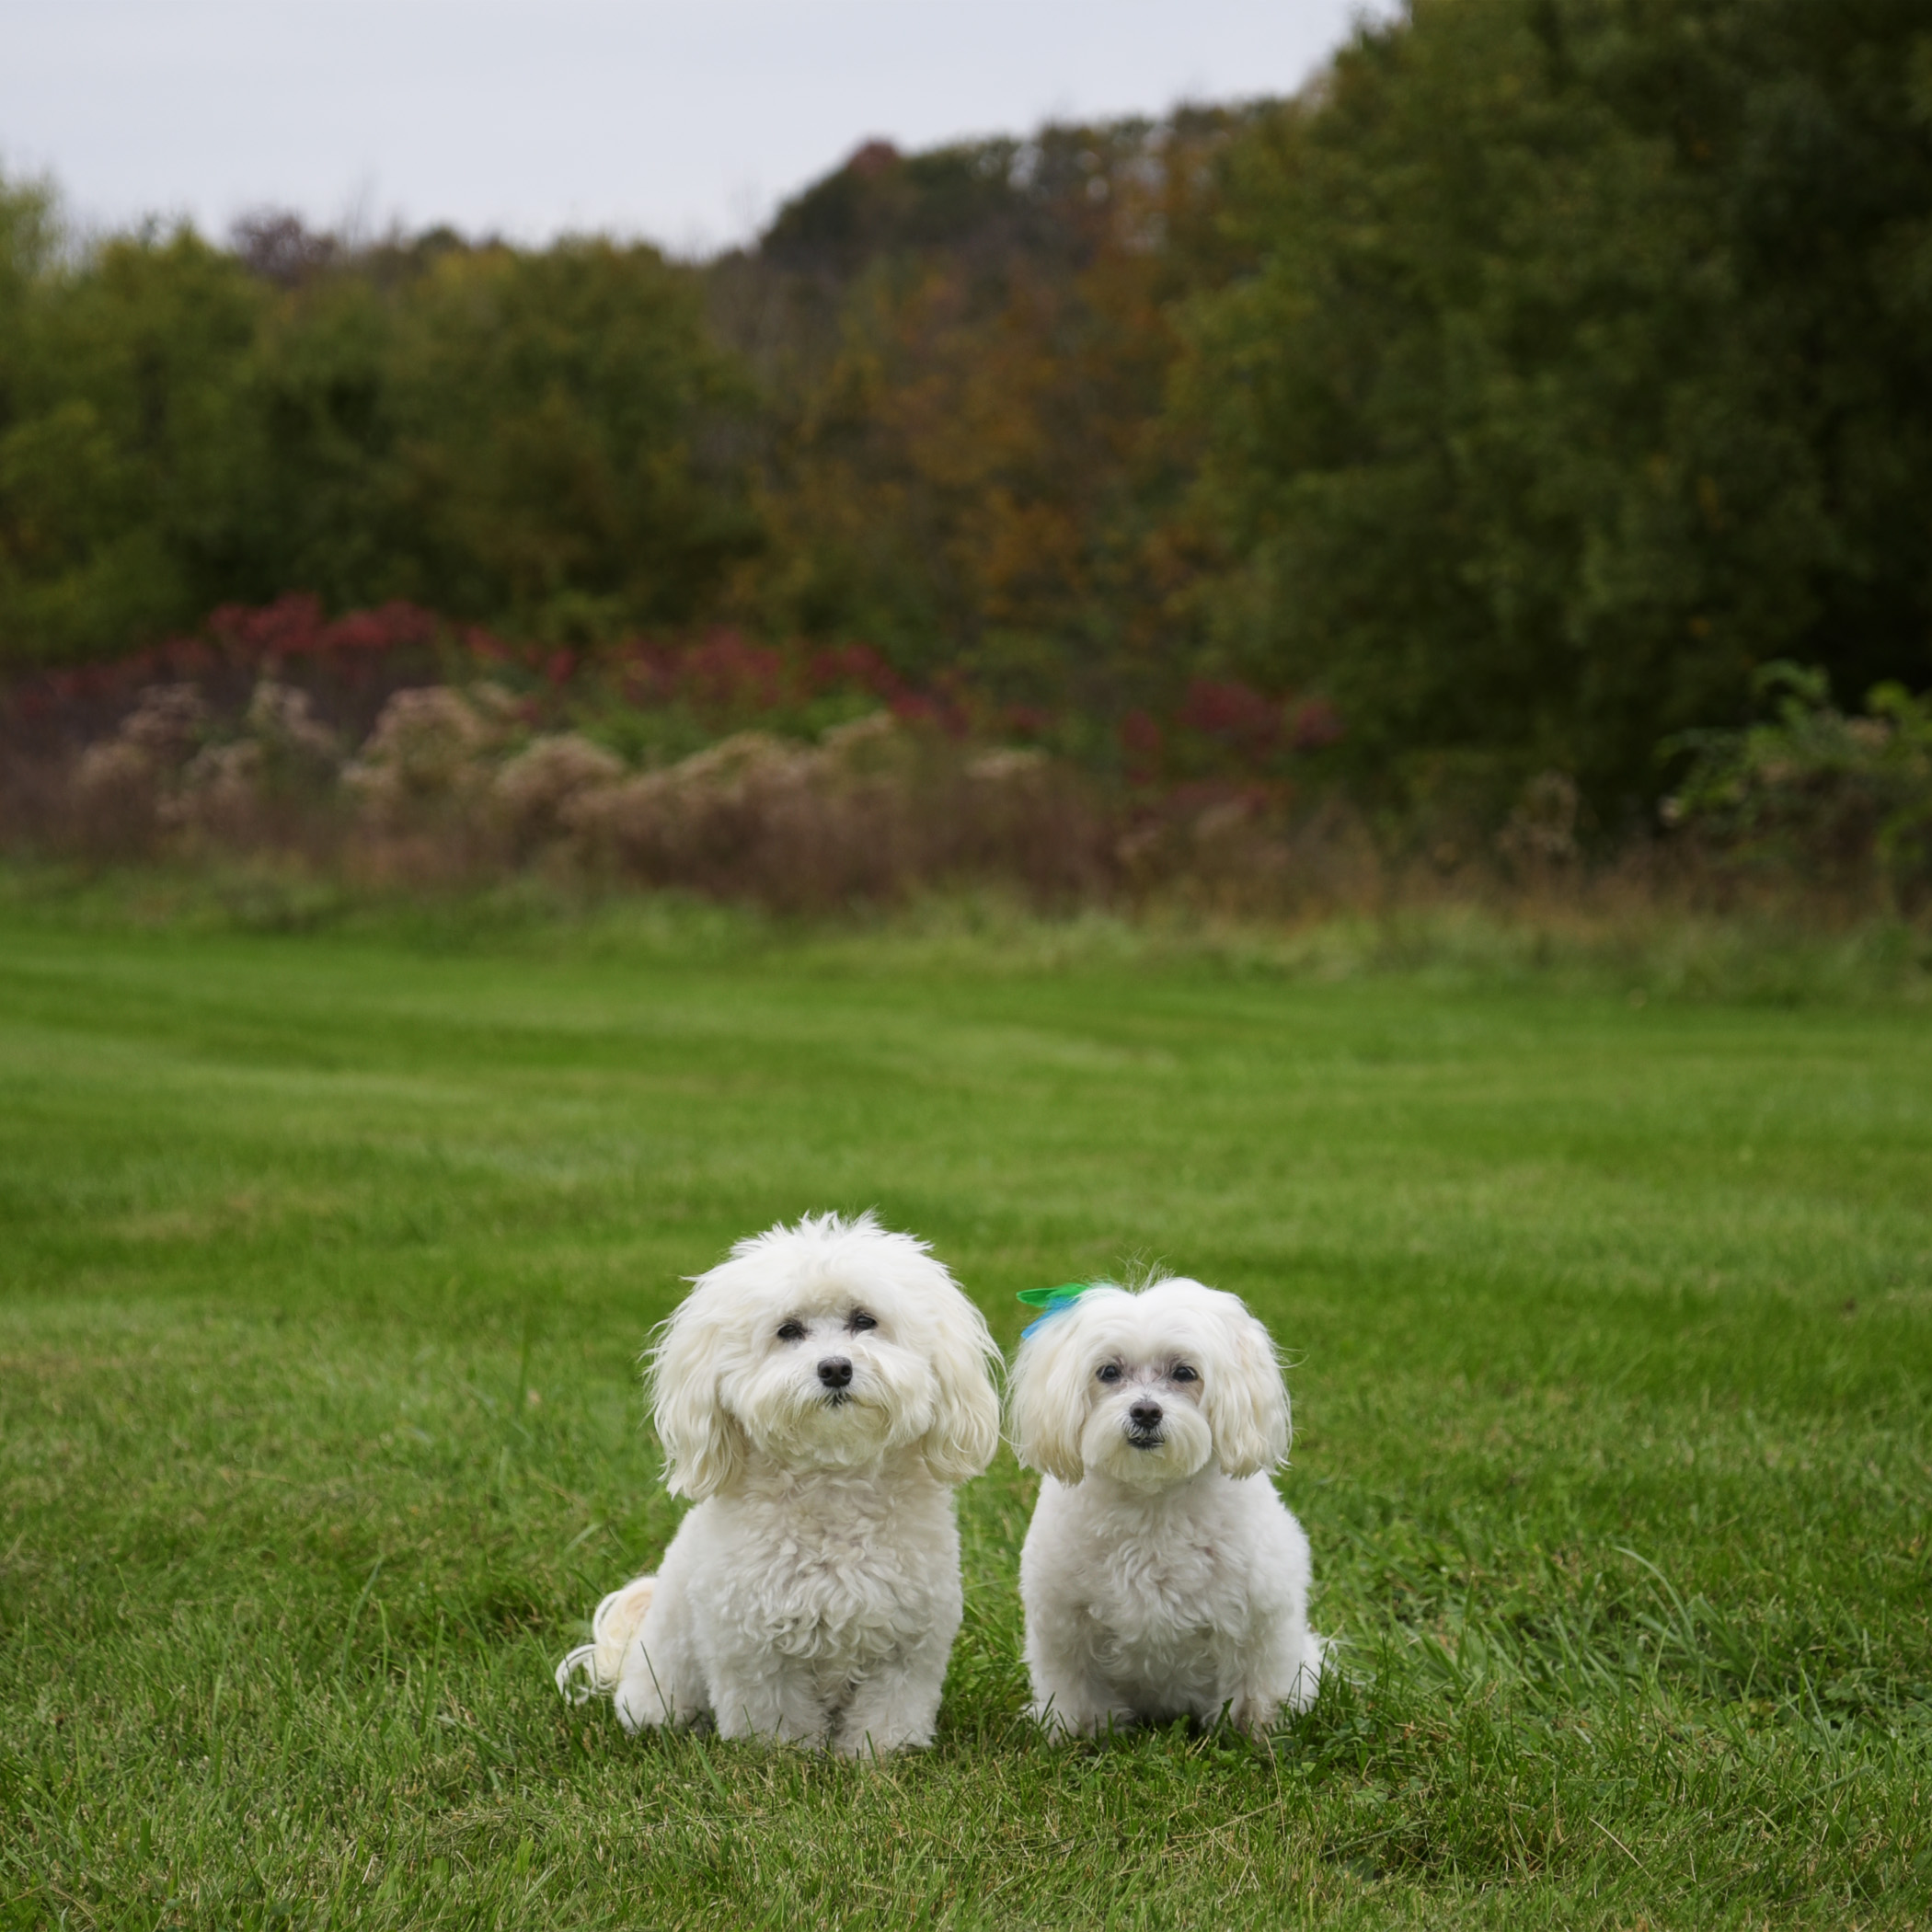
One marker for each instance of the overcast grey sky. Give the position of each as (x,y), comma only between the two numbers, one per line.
(687,122)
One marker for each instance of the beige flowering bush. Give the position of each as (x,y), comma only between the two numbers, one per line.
(786,823)
(121,786)
(448,783)
(239,789)
(429,753)
(868,811)
(281,720)
(535,789)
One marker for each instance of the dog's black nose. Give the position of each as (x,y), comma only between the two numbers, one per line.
(1144,1415)
(834,1372)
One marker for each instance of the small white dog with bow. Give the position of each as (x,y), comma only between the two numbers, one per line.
(818,1395)
(1162,1576)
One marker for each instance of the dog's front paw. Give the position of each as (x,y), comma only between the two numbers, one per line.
(1047,1714)
(1061,1721)
(866,1745)
(881,1732)
(1255,1717)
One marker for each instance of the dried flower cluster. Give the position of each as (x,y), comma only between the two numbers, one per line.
(453,782)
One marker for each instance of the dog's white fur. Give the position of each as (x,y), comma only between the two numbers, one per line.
(813,1594)
(1162,1576)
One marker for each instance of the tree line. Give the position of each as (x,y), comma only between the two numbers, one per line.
(1518,391)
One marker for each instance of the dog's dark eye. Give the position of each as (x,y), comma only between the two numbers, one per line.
(860,1322)
(1183,1373)
(1109,1372)
(791,1331)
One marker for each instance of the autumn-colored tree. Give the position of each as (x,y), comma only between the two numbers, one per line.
(969,459)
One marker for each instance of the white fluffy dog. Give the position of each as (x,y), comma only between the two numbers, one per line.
(818,1395)
(1162,1576)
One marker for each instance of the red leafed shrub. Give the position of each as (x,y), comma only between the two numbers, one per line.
(392,626)
(1235,715)
(725,675)
(487,648)
(853,667)
(1317,725)
(724,672)
(294,627)
(348,664)
(934,710)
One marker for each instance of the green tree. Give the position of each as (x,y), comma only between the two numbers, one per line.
(566,443)
(129,457)
(1584,366)
(545,440)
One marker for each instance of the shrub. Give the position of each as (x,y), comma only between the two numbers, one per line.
(535,788)
(121,786)
(871,811)
(450,783)
(1841,801)
(283,763)
(426,754)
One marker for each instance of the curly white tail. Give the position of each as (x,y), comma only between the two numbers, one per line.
(591,1670)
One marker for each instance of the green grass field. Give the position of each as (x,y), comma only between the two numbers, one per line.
(326,1266)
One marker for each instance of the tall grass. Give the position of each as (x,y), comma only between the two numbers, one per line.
(1604,937)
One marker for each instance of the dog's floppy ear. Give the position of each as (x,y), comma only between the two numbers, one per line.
(1245,1400)
(704,1446)
(965,1426)
(1049,1398)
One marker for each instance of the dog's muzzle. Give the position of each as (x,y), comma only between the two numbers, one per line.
(1144,1420)
(835,1376)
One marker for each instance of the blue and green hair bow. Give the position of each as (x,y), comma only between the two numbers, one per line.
(1051,1302)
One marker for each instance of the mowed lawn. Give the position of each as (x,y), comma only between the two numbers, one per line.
(326,1264)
